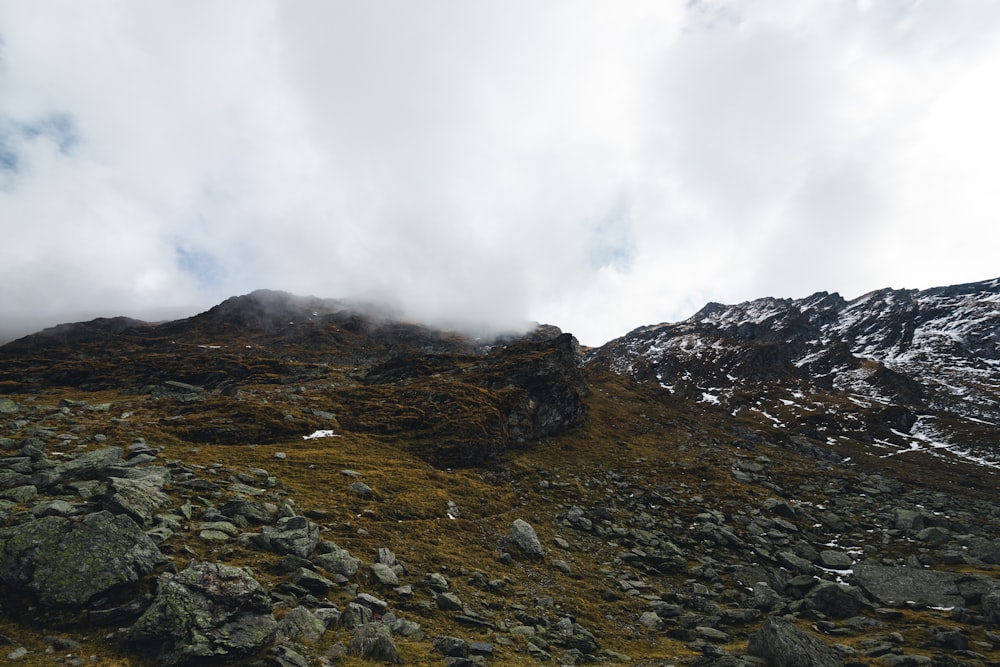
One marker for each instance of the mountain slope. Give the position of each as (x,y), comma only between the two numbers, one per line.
(287,480)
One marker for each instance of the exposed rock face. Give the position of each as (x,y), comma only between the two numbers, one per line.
(67,562)
(782,644)
(209,611)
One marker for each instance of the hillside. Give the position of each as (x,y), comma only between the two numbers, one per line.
(287,480)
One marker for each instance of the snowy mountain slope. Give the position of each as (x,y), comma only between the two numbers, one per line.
(903,370)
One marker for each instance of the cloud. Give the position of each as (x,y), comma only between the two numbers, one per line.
(595,165)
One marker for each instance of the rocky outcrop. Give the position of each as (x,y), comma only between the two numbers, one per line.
(67,562)
(208,611)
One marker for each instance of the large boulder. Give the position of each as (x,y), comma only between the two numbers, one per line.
(208,611)
(898,586)
(782,644)
(523,535)
(373,641)
(66,562)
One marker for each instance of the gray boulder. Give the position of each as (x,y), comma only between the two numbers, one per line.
(139,498)
(294,535)
(523,535)
(835,560)
(897,586)
(208,611)
(67,562)
(782,644)
(302,625)
(373,641)
(339,561)
(835,601)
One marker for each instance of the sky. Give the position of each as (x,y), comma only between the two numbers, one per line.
(598,166)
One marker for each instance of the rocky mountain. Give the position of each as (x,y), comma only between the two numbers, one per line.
(907,372)
(295,481)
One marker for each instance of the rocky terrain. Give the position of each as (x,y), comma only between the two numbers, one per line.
(294,481)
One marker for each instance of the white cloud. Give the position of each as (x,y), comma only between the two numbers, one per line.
(595,165)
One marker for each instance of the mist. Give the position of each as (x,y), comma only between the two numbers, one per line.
(483,165)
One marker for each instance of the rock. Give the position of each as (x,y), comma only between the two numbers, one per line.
(373,641)
(651,621)
(301,625)
(896,586)
(448,602)
(402,627)
(934,536)
(17,653)
(991,606)
(779,507)
(355,615)
(909,519)
(835,601)
(782,644)
(372,602)
(97,464)
(436,582)
(454,647)
(361,489)
(139,498)
(523,535)
(294,535)
(312,581)
(66,562)
(339,561)
(252,512)
(57,507)
(904,660)
(21,494)
(574,636)
(711,634)
(208,611)
(835,560)
(283,656)
(384,574)
(562,566)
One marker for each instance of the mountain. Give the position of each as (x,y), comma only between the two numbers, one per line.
(287,480)
(902,372)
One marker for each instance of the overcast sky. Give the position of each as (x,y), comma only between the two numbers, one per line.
(593,165)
